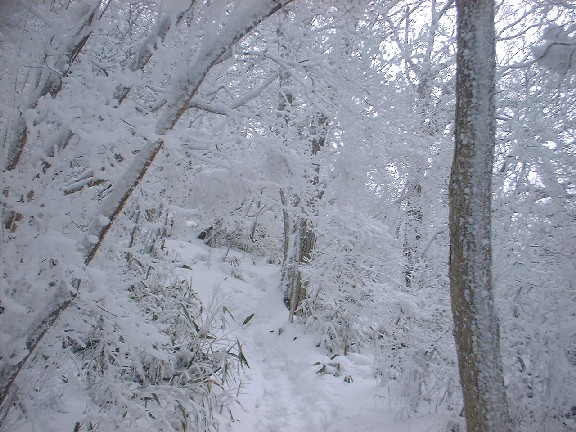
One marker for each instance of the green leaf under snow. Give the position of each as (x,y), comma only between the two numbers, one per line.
(206,336)
(189,317)
(247,319)
(225,310)
(241,356)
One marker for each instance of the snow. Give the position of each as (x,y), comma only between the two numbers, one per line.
(175,7)
(557,52)
(214,45)
(87,136)
(291,385)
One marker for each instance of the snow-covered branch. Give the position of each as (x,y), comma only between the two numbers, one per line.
(243,19)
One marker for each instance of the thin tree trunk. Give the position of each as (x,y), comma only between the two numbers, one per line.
(476,328)
(291,280)
(286,223)
(299,231)
(412,235)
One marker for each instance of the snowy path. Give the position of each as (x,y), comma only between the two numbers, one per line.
(283,391)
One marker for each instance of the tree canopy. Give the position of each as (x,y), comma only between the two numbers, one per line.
(317,136)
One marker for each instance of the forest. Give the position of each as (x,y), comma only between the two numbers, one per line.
(288,215)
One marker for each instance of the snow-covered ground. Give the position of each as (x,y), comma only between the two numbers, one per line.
(291,385)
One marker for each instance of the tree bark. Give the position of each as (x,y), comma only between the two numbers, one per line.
(476,328)
(412,235)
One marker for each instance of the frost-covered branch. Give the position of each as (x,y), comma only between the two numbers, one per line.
(558,54)
(210,52)
(191,76)
(50,77)
(114,203)
(237,102)
(144,52)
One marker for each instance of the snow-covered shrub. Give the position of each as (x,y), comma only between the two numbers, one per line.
(232,212)
(189,374)
(415,357)
(338,330)
(136,351)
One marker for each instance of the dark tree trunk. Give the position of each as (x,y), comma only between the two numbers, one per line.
(476,328)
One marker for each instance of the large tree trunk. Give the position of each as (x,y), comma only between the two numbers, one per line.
(476,329)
